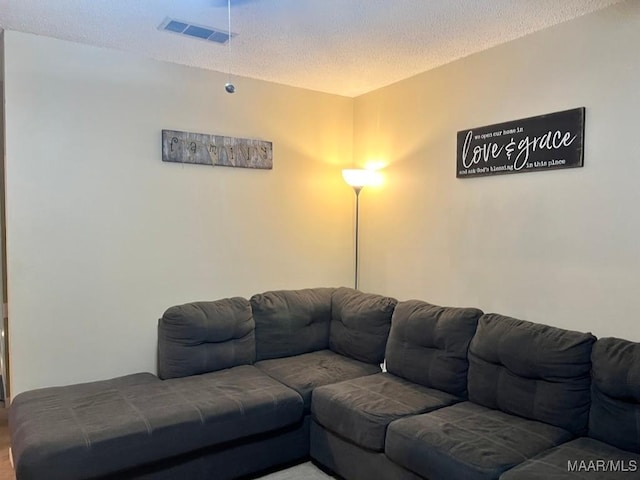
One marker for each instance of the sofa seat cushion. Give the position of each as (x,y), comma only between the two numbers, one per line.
(90,430)
(202,337)
(305,372)
(360,410)
(532,370)
(468,441)
(360,324)
(428,344)
(291,322)
(235,403)
(582,458)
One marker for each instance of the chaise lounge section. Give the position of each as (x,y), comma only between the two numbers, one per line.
(214,411)
(87,431)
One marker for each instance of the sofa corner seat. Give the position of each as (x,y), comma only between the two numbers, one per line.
(314,337)
(304,373)
(426,357)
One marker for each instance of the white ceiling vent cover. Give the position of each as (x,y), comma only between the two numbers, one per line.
(192,30)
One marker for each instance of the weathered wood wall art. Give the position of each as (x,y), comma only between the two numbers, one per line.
(199,148)
(545,142)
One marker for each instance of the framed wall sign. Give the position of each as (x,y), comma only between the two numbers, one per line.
(545,142)
(203,149)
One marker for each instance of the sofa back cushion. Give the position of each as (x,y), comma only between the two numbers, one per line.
(615,401)
(428,344)
(291,322)
(532,370)
(202,337)
(360,324)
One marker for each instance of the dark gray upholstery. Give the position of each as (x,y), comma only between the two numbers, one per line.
(467,441)
(95,429)
(582,458)
(428,344)
(241,378)
(615,407)
(361,409)
(305,372)
(236,402)
(291,322)
(532,370)
(52,429)
(614,423)
(231,460)
(360,324)
(352,462)
(203,337)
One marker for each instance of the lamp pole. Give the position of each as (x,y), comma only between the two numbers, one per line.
(357,190)
(358,178)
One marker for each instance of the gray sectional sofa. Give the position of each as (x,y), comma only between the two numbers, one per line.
(247,385)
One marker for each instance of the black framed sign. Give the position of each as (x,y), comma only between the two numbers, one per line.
(545,142)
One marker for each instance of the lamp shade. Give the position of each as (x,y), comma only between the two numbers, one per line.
(359,177)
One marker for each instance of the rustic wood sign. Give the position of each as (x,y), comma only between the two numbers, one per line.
(199,148)
(545,142)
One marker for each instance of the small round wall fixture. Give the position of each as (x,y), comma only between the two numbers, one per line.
(229,87)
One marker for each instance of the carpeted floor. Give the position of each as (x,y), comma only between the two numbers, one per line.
(304,471)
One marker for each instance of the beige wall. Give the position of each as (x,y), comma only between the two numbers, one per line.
(103,236)
(558,247)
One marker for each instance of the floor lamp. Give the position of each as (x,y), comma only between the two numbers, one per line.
(357,179)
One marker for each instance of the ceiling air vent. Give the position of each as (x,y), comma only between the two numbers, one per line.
(209,34)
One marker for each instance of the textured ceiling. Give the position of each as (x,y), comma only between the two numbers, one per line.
(346,47)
